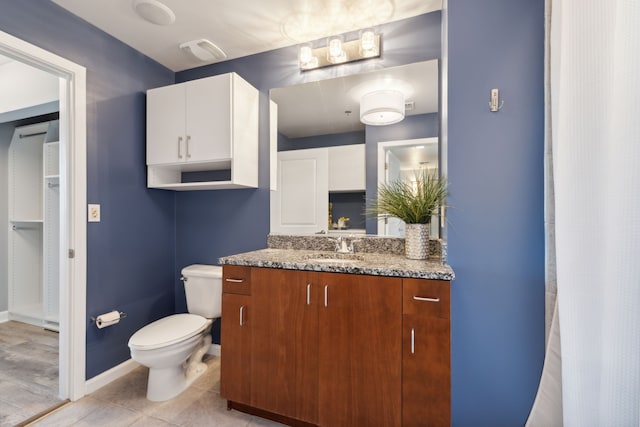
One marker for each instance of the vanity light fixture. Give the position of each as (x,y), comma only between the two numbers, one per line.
(382,107)
(337,51)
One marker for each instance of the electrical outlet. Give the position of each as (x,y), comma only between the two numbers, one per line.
(93,213)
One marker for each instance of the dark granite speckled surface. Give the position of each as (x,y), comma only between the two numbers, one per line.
(375,264)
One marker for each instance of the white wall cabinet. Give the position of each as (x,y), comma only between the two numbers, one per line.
(305,177)
(34,230)
(209,124)
(347,168)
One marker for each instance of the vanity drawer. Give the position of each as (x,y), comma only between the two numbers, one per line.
(236,279)
(426,297)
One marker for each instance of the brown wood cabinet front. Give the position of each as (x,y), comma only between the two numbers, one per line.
(285,343)
(235,340)
(334,350)
(360,350)
(426,374)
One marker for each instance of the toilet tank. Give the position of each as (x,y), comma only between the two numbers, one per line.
(203,289)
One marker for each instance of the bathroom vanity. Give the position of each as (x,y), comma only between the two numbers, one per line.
(315,338)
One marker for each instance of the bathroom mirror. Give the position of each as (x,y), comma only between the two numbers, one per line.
(325,115)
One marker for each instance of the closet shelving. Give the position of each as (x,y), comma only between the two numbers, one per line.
(34,216)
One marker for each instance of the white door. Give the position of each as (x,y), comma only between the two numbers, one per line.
(301,203)
(208,119)
(166,125)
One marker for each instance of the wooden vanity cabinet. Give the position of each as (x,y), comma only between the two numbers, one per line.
(236,331)
(333,349)
(285,342)
(360,350)
(426,354)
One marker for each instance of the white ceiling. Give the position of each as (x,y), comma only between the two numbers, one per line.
(240,27)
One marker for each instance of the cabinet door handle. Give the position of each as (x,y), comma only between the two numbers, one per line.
(308,293)
(326,295)
(179,147)
(242,315)
(413,341)
(188,140)
(417,298)
(234,280)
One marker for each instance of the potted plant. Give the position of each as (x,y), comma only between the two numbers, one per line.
(413,202)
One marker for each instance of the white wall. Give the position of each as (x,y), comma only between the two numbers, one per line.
(6,132)
(23,86)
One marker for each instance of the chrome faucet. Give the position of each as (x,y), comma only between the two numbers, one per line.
(341,245)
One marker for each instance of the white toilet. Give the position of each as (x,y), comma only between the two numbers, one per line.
(172,347)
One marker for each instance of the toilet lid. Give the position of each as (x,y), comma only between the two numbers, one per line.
(168,330)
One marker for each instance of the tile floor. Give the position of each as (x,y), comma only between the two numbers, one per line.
(28,371)
(124,403)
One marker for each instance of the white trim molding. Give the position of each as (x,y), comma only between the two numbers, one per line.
(110,375)
(215,350)
(73,192)
(4,316)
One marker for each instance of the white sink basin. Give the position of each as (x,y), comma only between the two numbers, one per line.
(336,258)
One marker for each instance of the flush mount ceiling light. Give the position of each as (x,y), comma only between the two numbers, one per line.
(382,107)
(203,50)
(154,12)
(337,51)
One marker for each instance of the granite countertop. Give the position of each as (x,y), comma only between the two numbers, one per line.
(375,264)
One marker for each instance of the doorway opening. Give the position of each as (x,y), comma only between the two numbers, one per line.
(71,186)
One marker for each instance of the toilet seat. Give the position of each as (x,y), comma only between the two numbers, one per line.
(167,331)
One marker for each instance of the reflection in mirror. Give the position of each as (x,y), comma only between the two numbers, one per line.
(321,168)
(403,161)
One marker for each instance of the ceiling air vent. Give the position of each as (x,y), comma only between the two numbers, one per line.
(203,50)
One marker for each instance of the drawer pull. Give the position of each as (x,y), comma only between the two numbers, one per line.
(417,298)
(308,293)
(413,341)
(326,295)
(234,280)
(242,315)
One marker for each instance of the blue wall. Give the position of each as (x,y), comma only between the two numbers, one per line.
(496,230)
(130,264)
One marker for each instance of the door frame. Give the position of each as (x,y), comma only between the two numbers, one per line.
(383,146)
(73,191)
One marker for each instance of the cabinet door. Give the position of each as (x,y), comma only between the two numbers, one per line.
(285,342)
(208,119)
(235,340)
(301,203)
(166,125)
(426,373)
(360,350)
(347,168)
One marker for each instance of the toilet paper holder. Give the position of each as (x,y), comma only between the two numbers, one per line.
(94,319)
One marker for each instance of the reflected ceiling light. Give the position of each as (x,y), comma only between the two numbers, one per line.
(382,107)
(337,51)
(203,50)
(154,12)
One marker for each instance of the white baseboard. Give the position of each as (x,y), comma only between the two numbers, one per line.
(4,316)
(107,377)
(214,350)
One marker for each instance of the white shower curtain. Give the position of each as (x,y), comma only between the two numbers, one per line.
(594,53)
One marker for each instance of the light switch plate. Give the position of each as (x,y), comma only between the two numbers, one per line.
(93,213)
